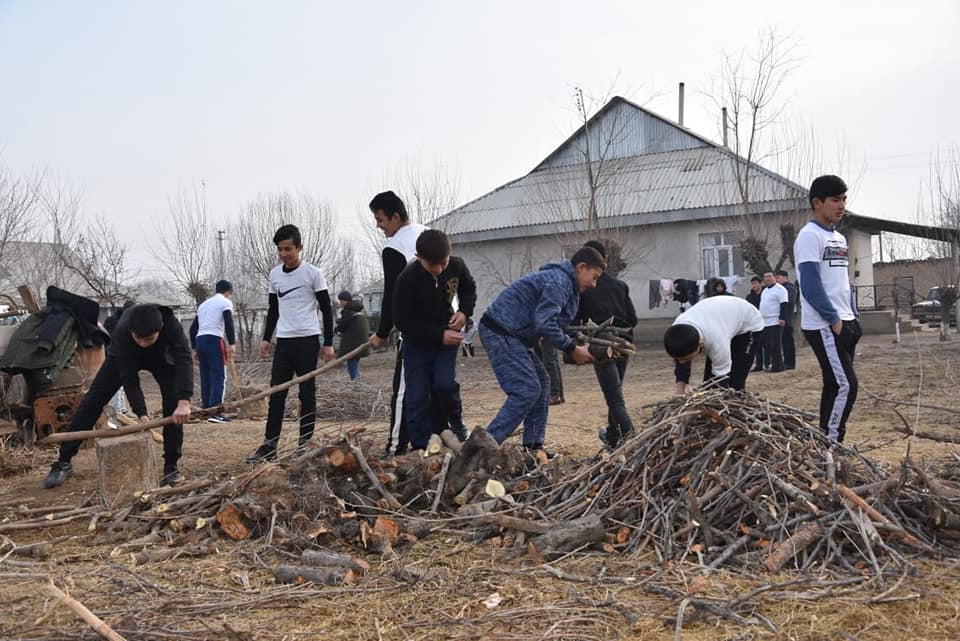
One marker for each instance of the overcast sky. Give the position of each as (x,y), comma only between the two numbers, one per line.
(135,100)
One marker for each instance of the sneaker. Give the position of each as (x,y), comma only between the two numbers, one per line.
(602,434)
(556,399)
(218,418)
(59,473)
(171,475)
(302,446)
(265,452)
(757,369)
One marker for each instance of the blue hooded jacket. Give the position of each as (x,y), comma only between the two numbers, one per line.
(540,305)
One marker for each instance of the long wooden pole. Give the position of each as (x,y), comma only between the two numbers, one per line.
(61,437)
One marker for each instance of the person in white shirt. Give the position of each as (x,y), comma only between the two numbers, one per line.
(212,324)
(828,313)
(725,328)
(297,291)
(774,307)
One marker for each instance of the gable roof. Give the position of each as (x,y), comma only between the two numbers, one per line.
(656,172)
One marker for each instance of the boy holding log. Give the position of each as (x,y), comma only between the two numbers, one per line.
(147,337)
(610,299)
(539,305)
(432,332)
(727,329)
(297,291)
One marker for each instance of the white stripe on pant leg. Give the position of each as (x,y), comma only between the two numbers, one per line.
(398,412)
(843,384)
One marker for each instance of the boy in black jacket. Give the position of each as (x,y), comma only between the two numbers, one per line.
(610,298)
(147,337)
(423,311)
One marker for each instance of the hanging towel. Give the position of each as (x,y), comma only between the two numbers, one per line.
(654,294)
(731,283)
(666,291)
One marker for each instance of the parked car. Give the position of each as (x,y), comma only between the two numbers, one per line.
(928,310)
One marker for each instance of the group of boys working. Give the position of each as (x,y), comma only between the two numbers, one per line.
(729,330)
(422,282)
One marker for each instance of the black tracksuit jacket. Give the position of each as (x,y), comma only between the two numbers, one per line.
(423,305)
(611,297)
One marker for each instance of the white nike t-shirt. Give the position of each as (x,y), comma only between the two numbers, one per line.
(719,319)
(297,299)
(828,249)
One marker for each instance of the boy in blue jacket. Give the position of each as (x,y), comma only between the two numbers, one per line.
(538,305)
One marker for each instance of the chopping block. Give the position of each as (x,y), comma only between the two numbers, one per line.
(127,465)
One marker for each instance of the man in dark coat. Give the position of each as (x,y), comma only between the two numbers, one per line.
(354,330)
(147,337)
(610,299)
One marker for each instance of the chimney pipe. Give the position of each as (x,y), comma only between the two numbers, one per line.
(680,119)
(723,115)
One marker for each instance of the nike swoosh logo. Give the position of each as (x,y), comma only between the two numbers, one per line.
(282,294)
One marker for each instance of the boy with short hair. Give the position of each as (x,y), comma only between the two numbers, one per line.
(786,340)
(829,316)
(756,289)
(297,291)
(212,324)
(422,304)
(537,306)
(610,299)
(774,302)
(727,329)
(147,337)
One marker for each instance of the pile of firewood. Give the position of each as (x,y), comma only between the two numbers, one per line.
(604,341)
(730,479)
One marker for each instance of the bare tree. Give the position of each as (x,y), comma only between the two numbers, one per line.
(184,248)
(748,89)
(19,200)
(944,207)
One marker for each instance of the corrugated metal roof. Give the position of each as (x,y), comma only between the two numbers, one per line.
(678,180)
(620,130)
(653,165)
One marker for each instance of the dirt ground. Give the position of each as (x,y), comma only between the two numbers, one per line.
(534,604)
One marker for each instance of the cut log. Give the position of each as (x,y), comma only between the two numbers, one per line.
(327,559)
(325,576)
(127,465)
(568,536)
(250,513)
(342,460)
(797,542)
(479,451)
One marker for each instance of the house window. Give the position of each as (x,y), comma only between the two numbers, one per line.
(721,254)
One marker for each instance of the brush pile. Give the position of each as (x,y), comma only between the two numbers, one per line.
(717,478)
(340,399)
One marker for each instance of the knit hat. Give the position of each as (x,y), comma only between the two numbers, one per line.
(223,286)
(345,295)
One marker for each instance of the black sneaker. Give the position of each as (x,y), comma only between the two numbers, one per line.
(265,452)
(460,431)
(602,434)
(59,473)
(171,475)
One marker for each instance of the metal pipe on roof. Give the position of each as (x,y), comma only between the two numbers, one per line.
(723,116)
(680,119)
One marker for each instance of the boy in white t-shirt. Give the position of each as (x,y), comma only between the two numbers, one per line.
(727,329)
(774,306)
(297,291)
(829,316)
(213,340)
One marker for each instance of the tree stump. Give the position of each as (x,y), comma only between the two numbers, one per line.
(126,465)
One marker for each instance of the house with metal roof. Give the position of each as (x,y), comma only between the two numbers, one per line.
(672,199)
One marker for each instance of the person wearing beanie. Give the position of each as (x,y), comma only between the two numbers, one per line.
(828,313)
(147,337)
(354,329)
(213,340)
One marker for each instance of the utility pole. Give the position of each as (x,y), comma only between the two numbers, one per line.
(221,234)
